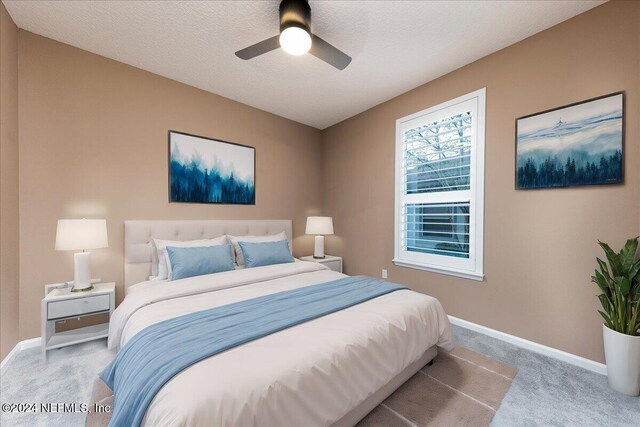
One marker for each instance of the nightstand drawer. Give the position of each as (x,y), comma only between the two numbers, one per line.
(77,306)
(334,265)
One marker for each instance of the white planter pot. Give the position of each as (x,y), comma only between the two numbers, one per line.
(622,354)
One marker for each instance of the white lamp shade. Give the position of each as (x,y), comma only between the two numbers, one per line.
(319,225)
(79,234)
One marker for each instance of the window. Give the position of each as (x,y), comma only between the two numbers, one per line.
(440,188)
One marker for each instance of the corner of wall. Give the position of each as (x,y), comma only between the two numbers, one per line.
(9,215)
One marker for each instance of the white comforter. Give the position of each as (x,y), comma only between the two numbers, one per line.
(311,374)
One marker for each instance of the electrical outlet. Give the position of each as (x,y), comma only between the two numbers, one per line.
(384,273)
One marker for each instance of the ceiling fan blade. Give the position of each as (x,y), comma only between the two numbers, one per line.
(259,48)
(329,53)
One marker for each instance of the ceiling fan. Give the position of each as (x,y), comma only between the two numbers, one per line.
(295,37)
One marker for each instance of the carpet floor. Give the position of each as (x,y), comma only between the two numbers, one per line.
(544,392)
(548,392)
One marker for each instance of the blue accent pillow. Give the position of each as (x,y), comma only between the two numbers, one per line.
(189,262)
(265,253)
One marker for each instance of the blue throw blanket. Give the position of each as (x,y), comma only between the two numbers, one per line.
(159,352)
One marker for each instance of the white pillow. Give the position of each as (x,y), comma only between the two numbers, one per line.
(236,247)
(164,266)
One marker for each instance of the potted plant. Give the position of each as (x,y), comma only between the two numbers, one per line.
(620,299)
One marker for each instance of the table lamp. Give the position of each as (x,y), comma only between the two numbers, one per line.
(81,234)
(320,226)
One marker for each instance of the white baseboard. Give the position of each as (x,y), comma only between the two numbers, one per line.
(30,343)
(22,345)
(572,359)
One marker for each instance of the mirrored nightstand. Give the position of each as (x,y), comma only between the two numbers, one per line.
(62,304)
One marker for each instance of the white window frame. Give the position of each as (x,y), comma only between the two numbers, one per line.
(473,267)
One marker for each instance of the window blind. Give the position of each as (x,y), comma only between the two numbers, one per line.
(437,159)
(440,229)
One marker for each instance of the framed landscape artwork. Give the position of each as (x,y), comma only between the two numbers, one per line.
(205,170)
(578,144)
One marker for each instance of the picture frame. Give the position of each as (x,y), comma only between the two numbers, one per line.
(585,148)
(209,170)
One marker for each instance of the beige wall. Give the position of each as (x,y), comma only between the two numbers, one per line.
(539,245)
(93,142)
(9,219)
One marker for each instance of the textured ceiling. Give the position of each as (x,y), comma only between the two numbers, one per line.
(395,45)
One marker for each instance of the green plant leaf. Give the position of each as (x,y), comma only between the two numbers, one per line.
(607,320)
(630,246)
(602,283)
(619,282)
(635,292)
(603,268)
(605,302)
(628,253)
(631,324)
(634,324)
(634,272)
(624,285)
(613,258)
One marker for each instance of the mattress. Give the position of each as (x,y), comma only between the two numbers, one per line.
(311,374)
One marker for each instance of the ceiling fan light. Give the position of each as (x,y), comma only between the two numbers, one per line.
(295,41)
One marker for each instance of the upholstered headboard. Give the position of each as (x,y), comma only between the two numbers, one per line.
(140,258)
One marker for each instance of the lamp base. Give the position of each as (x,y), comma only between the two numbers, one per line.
(82,271)
(82,289)
(318,250)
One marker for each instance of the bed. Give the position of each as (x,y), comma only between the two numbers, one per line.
(331,370)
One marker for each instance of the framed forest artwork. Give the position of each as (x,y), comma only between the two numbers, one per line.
(206,170)
(574,145)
